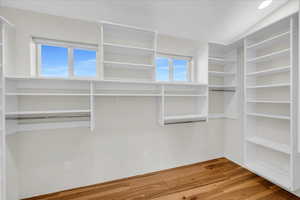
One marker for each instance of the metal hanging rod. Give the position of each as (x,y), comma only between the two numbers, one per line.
(46,117)
(220,90)
(187,122)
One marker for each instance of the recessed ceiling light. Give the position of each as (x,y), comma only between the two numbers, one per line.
(264,4)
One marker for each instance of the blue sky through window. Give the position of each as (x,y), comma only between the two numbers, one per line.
(84,62)
(54,61)
(180,70)
(162,71)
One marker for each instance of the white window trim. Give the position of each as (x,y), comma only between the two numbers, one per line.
(70,46)
(170,58)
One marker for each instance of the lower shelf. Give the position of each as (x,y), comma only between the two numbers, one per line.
(271,173)
(283,148)
(184,119)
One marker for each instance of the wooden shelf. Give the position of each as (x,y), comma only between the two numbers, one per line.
(271,173)
(270,86)
(128,65)
(215,73)
(283,148)
(270,41)
(267,101)
(270,71)
(270,56)
(271,116)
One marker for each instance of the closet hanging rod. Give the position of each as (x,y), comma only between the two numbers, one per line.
(186,122)
(217,90)
(46,117)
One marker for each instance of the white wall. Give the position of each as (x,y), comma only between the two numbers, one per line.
(127,139)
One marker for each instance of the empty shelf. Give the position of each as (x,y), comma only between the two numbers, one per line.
(129,95)
(269,116)
(283,148)
(185,95)
(270,71)
(129,65)
(269,86)
(184,118)
(23,113)
(112,47)
(270,41)
(44,94)
(268,101)
(216,116)
(270,56)
(220,60)
(271,173)
(215,73)
(222,87)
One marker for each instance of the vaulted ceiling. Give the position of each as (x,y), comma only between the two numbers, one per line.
(202,20)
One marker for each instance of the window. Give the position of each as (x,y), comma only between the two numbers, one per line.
(173,68)
(63,59)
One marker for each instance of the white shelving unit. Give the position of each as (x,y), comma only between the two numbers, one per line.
(127,52)
(6,31)
(270,88)
(222,75)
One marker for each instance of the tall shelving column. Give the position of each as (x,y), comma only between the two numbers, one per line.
(127,52)
(269,100)
(222,73)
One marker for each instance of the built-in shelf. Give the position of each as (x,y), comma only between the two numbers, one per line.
(44,94)
(270,86)
(216,116)
(127,47)
(270,71)
(216,73)
(271,40)
(272,116)
(222,87)
(23,113)
(283,148)
(270,56)
(184,118)
(185,95)
(267,101)
(128,65)
(270,172)
(129,95)
(220,60)
(107,23)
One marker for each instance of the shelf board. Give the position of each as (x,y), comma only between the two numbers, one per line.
(185,95)
(283,148)
(216,116)
(270,56)
(129,65)
(126,47)
(44,94)
(128,95)
(270,71)
(271,40)
(216,73)
(127,27)
(272,116)
(270,86)
(23,113)
(222,87)
(184,118)
(220,60)
(267,101)
(271,173)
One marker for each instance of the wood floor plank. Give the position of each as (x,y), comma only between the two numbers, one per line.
(218,179)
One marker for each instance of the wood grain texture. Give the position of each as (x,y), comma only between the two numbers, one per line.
(218,179)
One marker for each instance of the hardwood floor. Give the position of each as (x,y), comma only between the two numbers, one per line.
(218,179)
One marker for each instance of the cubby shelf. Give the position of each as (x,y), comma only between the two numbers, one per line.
(283,148)
(271,116)
(270,71)
(271,173)
(270,86)
(284,52)
(270,41)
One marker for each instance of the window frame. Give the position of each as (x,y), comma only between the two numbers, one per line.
(71,46)
(171,58)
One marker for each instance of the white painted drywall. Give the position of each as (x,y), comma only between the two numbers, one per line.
(127,139)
